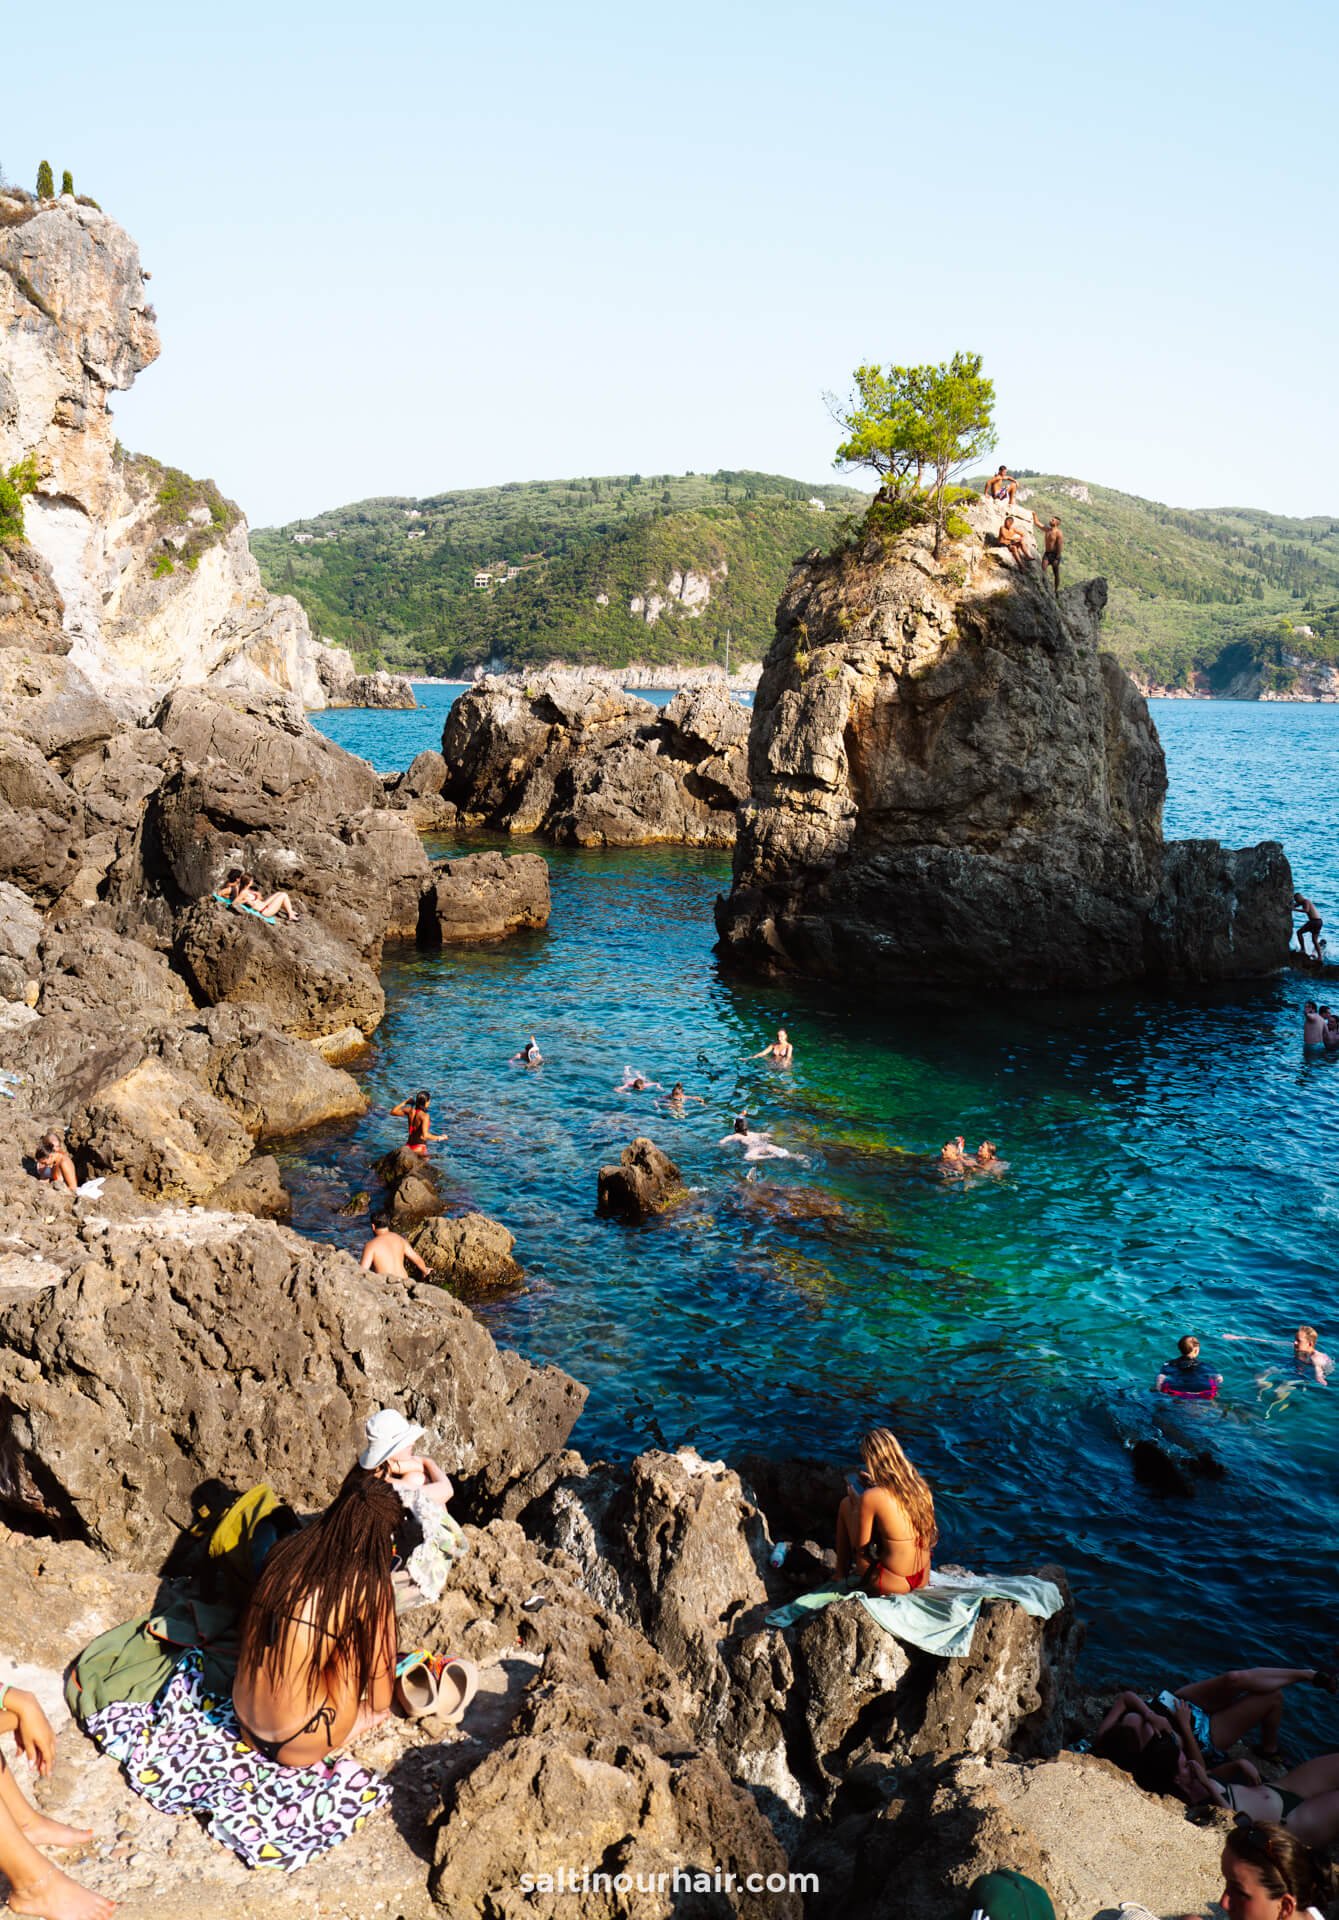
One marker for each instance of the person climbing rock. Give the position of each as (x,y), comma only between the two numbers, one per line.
(387,1251)
(1311,924)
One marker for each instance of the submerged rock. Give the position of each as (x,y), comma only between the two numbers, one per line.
(471,1254)
(590,766)
(644,1182)
(952,785)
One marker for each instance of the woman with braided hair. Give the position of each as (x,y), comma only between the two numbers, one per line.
(317,1661)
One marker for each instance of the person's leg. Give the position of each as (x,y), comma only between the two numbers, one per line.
(35,1824)
(35,1886)
(277,903)
(1318,1776)
(1316,1821)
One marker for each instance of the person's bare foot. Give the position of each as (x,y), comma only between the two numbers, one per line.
(54,1896)
(54,1833)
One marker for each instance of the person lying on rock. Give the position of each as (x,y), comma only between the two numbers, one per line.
(241,889)
(886,1531)
(387,1251)
(1305,1800)
(417,1118)
(781,1053)
(1217,1713)
(35,1886)
(1014,541)
(54,1163)
(317,1662)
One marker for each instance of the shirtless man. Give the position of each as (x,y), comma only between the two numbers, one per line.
(1313,1025)
(781,1053)
(953,1155)
(1311,924)
(1002,485)
(1054,547)
(757,1145)
(387,1251)
(1014,541)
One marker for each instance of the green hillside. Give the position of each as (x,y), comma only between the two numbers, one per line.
(1200,596)
(576,568)
(1208,598)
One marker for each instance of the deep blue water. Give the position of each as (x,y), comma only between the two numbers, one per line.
(1172,1169)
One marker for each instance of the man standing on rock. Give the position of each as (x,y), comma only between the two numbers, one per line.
(1311,924)
(386,1252)
(1055,547)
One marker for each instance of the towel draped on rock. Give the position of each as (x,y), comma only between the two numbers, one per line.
(941,1618)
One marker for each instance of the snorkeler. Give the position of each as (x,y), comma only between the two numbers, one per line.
(530,1055)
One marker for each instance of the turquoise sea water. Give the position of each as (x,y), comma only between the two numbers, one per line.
(1171,1169)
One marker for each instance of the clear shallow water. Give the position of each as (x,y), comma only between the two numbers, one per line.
(1171,1169)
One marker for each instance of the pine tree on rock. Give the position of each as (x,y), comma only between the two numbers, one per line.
(67,181)
(46,186)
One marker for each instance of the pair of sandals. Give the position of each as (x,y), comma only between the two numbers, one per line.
(434,1690)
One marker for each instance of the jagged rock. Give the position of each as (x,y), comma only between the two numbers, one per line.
(50,701)
(589,766)
(1075,1825)
(187,1346)
(255,1188)
(153,579)
(413,1187)
(306,981)
(31,609)
(84,967)
(27,781)
(274,1085)
(344,686)
(418,790)
(951,785)
(20,926)
(644,1182)
(471,1254)
(162,1130)
(483,896)
(266,740)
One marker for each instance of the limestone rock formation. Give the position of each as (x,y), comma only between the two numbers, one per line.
(590,766)
(644,1182)
(419,791)
(344,686)
(152,572)
(951,784)
(471,1254)
(483,896)
(188,1345)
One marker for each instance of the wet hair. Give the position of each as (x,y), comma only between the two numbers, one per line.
(1120,1745)
(1308,1334)
(381,1218)
(1156,1768)
(889,1467)
(1187,1345)
(422,1097)
(1283,1864)
(1310,1007)
(741,1123)
(340,1568)
(676,1088)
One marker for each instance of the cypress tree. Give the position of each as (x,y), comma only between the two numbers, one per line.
(46,186)
(67,181)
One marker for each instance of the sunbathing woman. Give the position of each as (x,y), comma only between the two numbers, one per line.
(886,1532)
(1220,1711)
(317,1661)
(267,905)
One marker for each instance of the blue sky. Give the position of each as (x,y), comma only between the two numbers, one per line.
(406,248)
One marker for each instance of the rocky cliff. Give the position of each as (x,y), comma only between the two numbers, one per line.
(156,580)
(951,783)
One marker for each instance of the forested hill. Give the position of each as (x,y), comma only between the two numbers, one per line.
(654,568)
(657,568)
(1210,598)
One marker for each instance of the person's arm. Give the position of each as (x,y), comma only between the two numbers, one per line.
(1124,1702)
(366,1262)
(65,1173)
(23,1716)
(1184,1728)
(400,1111)
(412,1253)
(428,1134)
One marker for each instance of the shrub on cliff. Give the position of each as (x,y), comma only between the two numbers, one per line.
(67,181)
(908,421)
(21,479)
(46,186)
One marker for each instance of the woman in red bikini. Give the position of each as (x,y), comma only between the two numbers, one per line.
(415,1113)
(886,1532)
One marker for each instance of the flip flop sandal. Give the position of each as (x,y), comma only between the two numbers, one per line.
(436,1691)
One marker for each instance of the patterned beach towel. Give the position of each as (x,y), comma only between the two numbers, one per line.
(184,1753)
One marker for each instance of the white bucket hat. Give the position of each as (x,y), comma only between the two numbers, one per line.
(387,1431)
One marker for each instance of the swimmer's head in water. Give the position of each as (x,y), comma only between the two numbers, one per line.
(1188,1347)
(986,1151)
(741,1123)
(676,1089)
(1305,1339)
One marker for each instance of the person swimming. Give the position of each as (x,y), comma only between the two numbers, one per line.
(530,1055)
(987,1159)
(636,1083)
(780,1052)
(757,1145)
(675,1098)
(953,1155)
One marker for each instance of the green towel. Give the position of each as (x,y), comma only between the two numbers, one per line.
(136,1660)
